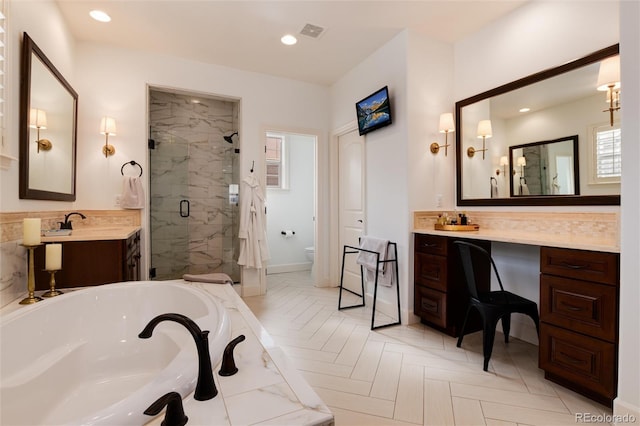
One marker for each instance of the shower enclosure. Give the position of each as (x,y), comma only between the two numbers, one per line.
(194,175)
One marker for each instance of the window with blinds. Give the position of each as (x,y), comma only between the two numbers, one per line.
(607,149)
(3,55)
(275,161)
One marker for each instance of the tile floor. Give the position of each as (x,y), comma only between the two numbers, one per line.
(407,375)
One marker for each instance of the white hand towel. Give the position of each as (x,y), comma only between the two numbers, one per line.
(132,193)
(524,189)
(368,260)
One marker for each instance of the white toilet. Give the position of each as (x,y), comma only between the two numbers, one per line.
(310,254)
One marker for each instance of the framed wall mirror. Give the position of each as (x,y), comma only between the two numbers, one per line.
(48,129)
(528,121)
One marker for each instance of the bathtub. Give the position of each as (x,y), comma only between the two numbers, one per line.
(77,359)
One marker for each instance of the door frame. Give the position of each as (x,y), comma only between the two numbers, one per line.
(319,279)
(335,258)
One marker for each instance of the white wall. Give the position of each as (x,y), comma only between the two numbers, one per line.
(386,151)
(293,208)
(44,24)
(628,400)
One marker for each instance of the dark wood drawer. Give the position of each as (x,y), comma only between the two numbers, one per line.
(431,271)
(578,264)
(581,362)
(580,306)
(430,305)
(432,244)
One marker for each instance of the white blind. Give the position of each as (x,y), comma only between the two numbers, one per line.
(608,153)
(3,49)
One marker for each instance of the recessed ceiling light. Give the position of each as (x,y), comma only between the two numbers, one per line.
(289,40)
(99,15)
(525,109)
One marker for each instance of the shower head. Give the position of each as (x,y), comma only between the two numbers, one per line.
(230,137)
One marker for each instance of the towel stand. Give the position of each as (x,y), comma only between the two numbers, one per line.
(354,250)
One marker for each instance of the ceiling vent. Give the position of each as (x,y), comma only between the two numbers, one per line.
(312,31)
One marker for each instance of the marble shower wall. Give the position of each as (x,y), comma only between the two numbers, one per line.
(193,164)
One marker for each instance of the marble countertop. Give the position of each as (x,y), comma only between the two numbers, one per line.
(580,242)
(94,234)
(267,390)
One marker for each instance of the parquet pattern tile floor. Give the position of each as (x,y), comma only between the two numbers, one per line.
(407,374)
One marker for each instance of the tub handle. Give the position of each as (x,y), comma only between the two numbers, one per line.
(175,412)
(228,367)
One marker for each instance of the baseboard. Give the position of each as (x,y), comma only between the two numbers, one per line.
(291,267)
(625,413)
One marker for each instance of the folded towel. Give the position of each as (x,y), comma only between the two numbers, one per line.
(132,193)
(213,278)
(368,260)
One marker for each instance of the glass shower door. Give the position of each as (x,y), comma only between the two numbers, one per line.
(170,206)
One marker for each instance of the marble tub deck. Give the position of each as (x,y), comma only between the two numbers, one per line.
(267,390)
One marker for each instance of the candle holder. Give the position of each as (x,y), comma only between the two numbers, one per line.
(52,286)
(31,278)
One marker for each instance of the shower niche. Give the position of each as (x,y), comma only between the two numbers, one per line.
(194,168)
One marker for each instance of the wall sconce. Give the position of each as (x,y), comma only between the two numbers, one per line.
(38,120)
(609,80)
(504,162)
(108,127)
(521,162)
(484,132)
(446,126)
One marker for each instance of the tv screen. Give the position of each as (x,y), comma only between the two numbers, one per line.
(374,111)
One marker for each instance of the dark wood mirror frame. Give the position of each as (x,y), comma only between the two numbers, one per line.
(29,49)
(544,200)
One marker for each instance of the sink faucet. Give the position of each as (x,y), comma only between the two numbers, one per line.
(67,223)
(205,387)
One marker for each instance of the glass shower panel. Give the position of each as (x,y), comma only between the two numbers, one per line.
(194,224)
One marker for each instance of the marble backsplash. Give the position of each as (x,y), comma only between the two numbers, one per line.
(13,256)
(596,225)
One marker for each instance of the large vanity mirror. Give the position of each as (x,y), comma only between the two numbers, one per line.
(48,127)
(541,140)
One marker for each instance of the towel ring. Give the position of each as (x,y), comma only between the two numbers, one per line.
(133,163)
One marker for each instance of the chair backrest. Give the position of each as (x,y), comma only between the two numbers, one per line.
(468,252)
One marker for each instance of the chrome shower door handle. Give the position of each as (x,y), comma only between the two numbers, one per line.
(183,204)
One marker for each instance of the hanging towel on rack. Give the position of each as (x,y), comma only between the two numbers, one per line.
(368,260)
(132,193)
(253,237)
(494,187)
(524,189)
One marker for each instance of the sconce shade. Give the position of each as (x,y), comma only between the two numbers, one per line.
(609,74)
(504,160)
(484,129)
(37,119)
(108,126)
(446,122)
(521,161)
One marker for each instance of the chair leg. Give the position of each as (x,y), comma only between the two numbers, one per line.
(506,326)
(464,326)
(488,336)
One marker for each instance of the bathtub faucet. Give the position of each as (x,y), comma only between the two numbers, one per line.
(205,387)
(67,223)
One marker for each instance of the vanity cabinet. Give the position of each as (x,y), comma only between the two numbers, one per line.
(579,293)
(440,290)
(93,262)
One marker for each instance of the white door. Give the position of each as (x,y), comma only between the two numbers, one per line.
(351,190)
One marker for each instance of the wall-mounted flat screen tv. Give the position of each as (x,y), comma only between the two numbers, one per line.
(374,111)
